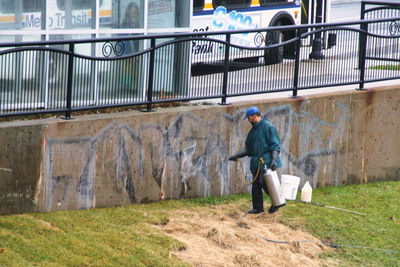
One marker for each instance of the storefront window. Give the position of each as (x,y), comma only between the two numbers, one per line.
(70,14)
(122,14)
(96,15)
(27,6)
(38,20)
(21,14)
(168,13)
(78,4)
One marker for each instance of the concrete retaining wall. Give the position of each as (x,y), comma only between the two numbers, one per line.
(134,157)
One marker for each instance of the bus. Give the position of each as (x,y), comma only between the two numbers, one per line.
(226,15)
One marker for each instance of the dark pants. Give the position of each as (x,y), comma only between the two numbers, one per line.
(256,191)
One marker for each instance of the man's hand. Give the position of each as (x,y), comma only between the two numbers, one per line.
(233,158)
(273,165)
(274,159)
(241,154)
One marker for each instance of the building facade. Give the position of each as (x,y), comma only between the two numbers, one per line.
(36,20)
(33,76)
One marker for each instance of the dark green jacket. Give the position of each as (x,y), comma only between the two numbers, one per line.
(261,140)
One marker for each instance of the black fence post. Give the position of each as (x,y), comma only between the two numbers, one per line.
(316,52)
(151,75)
(362,53)
(362,14)
(226,68)
(362,27)
(69,81)
(297,63)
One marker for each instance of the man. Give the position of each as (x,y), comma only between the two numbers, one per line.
(262,142)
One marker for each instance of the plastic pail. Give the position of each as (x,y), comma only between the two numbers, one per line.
(289,186)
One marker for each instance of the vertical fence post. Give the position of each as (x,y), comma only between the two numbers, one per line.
(362,14)
(297,63)
(226,68)
(69,81)
(362,27)
(362,53)
(316,52)
(151,75)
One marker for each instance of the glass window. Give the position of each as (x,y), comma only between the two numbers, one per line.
(161,14)
(270,2)
(198,5)
(78,4)
(132,17)
(21,14)
(182,13)
(27,6)
(122,14)
(32,5)
(231,4)
(7,7)
(69,14)
(168,13)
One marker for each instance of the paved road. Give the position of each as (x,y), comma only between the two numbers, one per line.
(345,10)
(348,10)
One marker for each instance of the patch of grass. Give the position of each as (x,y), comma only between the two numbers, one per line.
(120,236)
(386,67)
(360,235)
(124,236)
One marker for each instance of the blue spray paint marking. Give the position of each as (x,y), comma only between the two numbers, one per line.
(310,126)
(189,144)
(174,143)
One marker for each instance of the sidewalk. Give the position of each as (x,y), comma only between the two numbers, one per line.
(300,93)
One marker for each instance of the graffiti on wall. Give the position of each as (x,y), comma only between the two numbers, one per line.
(319,140)
(122,164)
(111,167)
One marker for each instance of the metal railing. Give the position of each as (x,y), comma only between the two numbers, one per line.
(73,75)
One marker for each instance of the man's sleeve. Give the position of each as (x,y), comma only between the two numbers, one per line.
(273,140)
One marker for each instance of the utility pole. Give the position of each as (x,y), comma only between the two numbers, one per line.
(316,52)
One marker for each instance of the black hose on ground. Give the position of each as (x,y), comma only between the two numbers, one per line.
(310,241)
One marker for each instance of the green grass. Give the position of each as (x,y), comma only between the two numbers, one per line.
(124,236)
(386,67)
(379,229)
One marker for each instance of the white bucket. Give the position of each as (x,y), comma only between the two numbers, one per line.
(289,186)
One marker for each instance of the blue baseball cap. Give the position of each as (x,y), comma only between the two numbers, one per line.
(251,111)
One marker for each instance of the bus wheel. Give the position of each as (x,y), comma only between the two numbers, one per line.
(273,55)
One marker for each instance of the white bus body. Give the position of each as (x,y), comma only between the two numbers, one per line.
(209,16)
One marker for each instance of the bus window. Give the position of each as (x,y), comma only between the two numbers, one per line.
(269,2)
(232,4)
(198,5)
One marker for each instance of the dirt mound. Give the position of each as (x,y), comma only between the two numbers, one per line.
(213,238)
